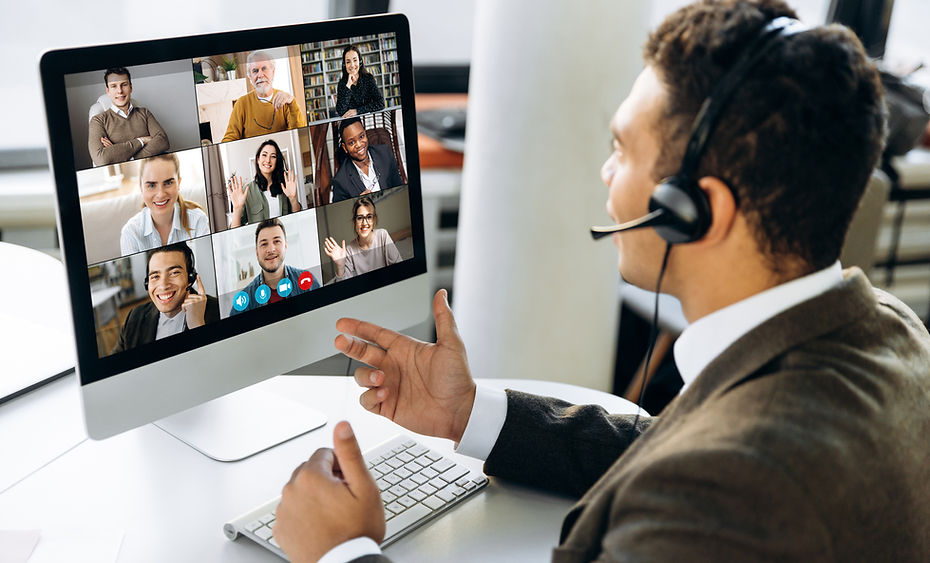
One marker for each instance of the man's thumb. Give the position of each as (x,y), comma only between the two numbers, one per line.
(348,455)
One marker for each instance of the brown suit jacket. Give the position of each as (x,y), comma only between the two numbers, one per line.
(807,440)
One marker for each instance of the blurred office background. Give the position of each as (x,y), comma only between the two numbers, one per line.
(443,37)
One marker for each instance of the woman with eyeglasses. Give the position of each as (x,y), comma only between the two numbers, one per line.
(271,193)
(371,249)
(357,92)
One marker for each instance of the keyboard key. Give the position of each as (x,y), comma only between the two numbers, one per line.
(419,478)
(253,526)
(447,494)
(405,457)
(409,484)
(406,501)
(434,503)
(418,450)
(454,474)
(264,519)
(429,472)
(458,491)
(403,472)
(394,463)
(397,490)
(393,478)
(468,484)
(388,514)
(419,495)
(433,455)
(407,518)
(409,444)
(399,449)
(264,532)
(382,484)
(442,465)
(428,489)
(384,468)
(377,460)
(414,466)
(272,541)
(480,480)
(395,507)
(388,496)
(438,483)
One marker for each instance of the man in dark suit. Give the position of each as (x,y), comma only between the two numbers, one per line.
(368,168)
(174,305)
(801,433)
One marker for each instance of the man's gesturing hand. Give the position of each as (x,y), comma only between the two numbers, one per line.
(330,499)
(426,388)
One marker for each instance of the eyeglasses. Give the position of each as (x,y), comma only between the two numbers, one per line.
(364,218)
(268,128)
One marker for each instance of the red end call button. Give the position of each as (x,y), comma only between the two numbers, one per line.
(305,281)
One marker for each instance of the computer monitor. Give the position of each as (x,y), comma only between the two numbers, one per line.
(198,182)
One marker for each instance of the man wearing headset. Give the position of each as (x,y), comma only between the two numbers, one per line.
(174,305)
(802,430)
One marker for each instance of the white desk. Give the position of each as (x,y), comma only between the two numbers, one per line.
(170,502)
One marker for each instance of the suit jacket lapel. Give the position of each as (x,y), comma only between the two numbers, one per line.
(743,361)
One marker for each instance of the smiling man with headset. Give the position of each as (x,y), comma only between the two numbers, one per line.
(740,156)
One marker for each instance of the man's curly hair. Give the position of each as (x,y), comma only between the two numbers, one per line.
(799,138)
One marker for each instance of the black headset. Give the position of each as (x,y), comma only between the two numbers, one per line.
(678,208)
(188,257)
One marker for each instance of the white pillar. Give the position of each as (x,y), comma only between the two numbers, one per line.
(535,297)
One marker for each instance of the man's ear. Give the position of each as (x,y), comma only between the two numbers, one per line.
(723,208)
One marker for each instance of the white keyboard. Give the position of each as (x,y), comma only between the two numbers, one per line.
(417,484)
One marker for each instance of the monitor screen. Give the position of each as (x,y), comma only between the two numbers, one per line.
(216,189)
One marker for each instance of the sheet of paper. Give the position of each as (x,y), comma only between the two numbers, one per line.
(78,546)
(16,545)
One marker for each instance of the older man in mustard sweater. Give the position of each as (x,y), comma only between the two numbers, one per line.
(124,131)
(264,110)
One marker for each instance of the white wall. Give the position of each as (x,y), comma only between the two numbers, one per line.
(27,29)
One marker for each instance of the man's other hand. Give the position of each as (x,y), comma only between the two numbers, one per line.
(426,388)
(330,499)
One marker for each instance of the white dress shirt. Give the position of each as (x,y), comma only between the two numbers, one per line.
(139,232)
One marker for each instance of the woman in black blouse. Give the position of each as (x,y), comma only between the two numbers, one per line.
(357,92)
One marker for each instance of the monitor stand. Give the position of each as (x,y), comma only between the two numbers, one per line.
(241,424)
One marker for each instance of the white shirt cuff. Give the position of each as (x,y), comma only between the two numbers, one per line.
(350,550)
(485,423)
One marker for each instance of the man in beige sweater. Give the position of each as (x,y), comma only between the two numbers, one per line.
(263,110)
(123,132)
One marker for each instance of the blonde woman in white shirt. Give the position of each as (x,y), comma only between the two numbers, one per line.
(166,217)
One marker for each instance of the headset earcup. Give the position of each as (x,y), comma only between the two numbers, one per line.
(687,208)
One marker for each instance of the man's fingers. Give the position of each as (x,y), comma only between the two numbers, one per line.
(200,288)
(367,331)
(349,456)
(359,350)
(371,400)
(368,377)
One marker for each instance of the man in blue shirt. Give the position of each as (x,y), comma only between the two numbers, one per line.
(277,280)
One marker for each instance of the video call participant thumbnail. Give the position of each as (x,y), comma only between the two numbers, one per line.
(271,193)
(368,168)
(371,249)
(124,131)
(276,280)
(265,109)
(166,217)
(174,305)
(357,91)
